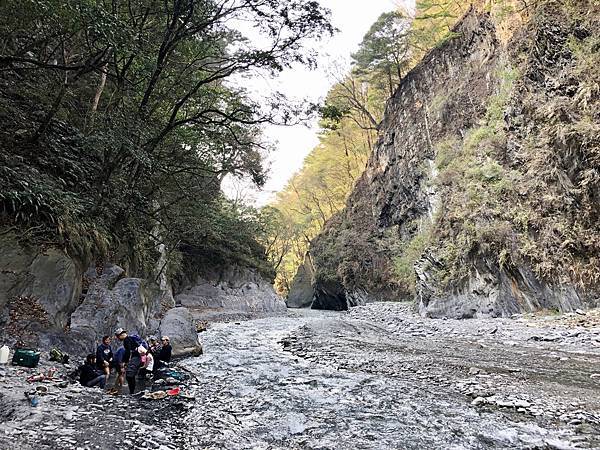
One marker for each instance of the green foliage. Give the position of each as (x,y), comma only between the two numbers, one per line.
(523,213)
(384,54)
(316,193)
(408,255)
(119,120)
(433,23)
(350,118)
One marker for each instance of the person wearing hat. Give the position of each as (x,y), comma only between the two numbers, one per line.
(154,346)
(132,360)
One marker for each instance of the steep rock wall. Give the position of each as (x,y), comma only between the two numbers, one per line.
(46,300)
(114,300)
(231,291)
(39,289)
(354,253)
(447,211)
(301,292)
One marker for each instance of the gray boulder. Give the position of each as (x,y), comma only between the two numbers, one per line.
(490,291)
(302,293)
(115,301)
(178,323)
(232,291)
(39,289)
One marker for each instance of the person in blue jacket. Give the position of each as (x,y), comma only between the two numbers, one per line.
(132,360)
(104,356)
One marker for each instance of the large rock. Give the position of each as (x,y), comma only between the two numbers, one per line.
(115,301)
(489,291)
(301,293)
(178,323)
(39,289)
(232,291)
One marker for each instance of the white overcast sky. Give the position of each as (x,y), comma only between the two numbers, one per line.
(292,144)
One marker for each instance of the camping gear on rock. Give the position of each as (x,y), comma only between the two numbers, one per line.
(32,398)
(26,357)
(158,395)
(4,352)
(42,390)
(34,378)
(174,391)
(59,356)
(172,373)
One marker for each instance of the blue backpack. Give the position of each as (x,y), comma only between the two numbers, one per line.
(139,341)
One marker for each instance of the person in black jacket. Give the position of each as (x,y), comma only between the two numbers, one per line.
(164,355)
(132,360)
(89,376)
(166,350)
(104,356)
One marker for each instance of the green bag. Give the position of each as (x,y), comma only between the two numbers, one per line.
(26,357)
(59,356)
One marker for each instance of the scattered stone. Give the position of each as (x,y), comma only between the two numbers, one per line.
(479,401)
(474,371)
(521,404)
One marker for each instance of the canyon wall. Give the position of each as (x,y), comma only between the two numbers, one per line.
(481,197)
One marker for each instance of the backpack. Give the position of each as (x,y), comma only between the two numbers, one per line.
(59,356)
(139,341)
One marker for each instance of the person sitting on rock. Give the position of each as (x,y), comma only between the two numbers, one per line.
(147,367)
(154,346)
(104,356)
(164,356)
(89,375)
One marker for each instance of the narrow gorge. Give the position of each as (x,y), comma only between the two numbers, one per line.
(481,195)
(299,224)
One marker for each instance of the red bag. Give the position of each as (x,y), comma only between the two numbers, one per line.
(174,391)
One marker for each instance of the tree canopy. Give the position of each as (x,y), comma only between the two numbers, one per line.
(122,116)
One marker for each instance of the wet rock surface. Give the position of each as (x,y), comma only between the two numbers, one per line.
(382,377)
(378,376)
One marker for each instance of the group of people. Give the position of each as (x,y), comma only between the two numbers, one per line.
(135,357)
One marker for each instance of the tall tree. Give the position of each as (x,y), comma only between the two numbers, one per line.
(117,114)
(384,53)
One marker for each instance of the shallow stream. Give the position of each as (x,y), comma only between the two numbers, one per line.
(255,395)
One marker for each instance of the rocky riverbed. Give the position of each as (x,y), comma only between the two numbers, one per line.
(376,377)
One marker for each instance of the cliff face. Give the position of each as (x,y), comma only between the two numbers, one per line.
(229,292)
(47,299)
(481,196)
